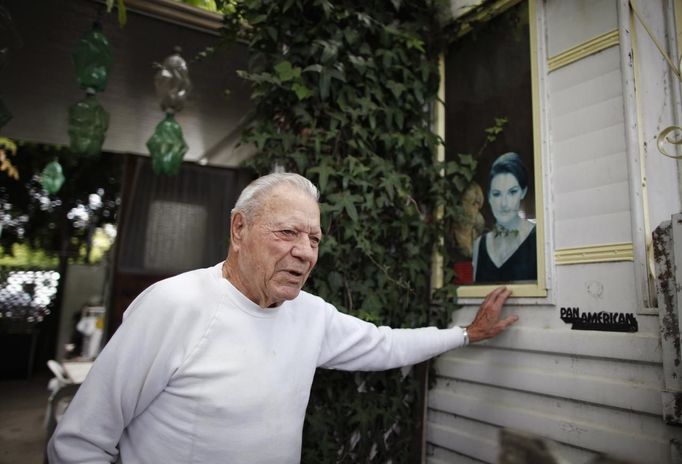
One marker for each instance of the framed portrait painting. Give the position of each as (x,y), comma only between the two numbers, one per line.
(491,113)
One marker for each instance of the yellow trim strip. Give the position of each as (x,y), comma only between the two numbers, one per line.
(595,254)
(437,262)
(518,290)
(678,20)
(540,289)
(592,46)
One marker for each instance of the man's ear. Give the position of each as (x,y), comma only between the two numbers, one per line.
(237,229)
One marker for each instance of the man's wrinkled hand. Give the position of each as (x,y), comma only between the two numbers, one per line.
(487,323)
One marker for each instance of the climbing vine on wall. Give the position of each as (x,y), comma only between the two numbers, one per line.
(344,92)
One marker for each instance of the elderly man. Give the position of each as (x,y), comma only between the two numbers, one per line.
(215,365)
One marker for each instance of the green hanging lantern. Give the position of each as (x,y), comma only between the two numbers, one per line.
(167,146)
(93,60)
(88,124)
(52,177)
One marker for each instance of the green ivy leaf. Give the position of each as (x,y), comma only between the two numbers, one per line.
(396,88)
(313,68)
(284,71)
(302,92)
(335,281)
(347,202)
(323,171)
(325,79)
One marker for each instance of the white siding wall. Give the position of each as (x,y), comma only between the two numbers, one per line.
(590,174)
(659,107)
(588,391)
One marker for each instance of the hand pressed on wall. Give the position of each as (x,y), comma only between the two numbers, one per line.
(487,322)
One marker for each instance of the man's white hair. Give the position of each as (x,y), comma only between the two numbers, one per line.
(251,198)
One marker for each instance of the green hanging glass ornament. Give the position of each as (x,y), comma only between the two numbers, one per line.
(167,146)
(93,59)
(52,177)
(172,83)
(88,124)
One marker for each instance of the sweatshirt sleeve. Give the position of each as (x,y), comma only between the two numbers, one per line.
(355,345)
(157,334)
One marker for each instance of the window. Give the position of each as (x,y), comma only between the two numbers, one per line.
(491,81)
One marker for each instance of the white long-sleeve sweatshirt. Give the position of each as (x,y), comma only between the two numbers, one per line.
(198,373)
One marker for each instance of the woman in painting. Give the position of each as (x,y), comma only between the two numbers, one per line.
(508,252)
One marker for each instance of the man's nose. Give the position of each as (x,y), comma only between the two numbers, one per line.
(304,249)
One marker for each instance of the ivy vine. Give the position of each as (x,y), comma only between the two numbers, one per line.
(344,93)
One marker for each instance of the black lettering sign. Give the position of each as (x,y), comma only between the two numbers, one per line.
(601,320)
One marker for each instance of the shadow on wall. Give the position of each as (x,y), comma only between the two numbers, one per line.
(517,447)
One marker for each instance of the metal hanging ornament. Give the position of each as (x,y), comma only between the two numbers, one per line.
(88,121)
(167,145)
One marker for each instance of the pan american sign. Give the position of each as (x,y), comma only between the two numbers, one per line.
(599,320)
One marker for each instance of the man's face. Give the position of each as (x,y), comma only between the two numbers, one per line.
(278,248)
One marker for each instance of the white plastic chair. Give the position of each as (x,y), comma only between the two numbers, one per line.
(55,406)
(62,390)
(60,379)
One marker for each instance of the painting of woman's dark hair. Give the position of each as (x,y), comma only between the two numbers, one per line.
(507,253)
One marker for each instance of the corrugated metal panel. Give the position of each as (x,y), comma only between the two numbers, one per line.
(619,432)
(619,384)
(484,435)
(588,391)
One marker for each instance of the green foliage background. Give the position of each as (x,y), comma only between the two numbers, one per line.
(344,94)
